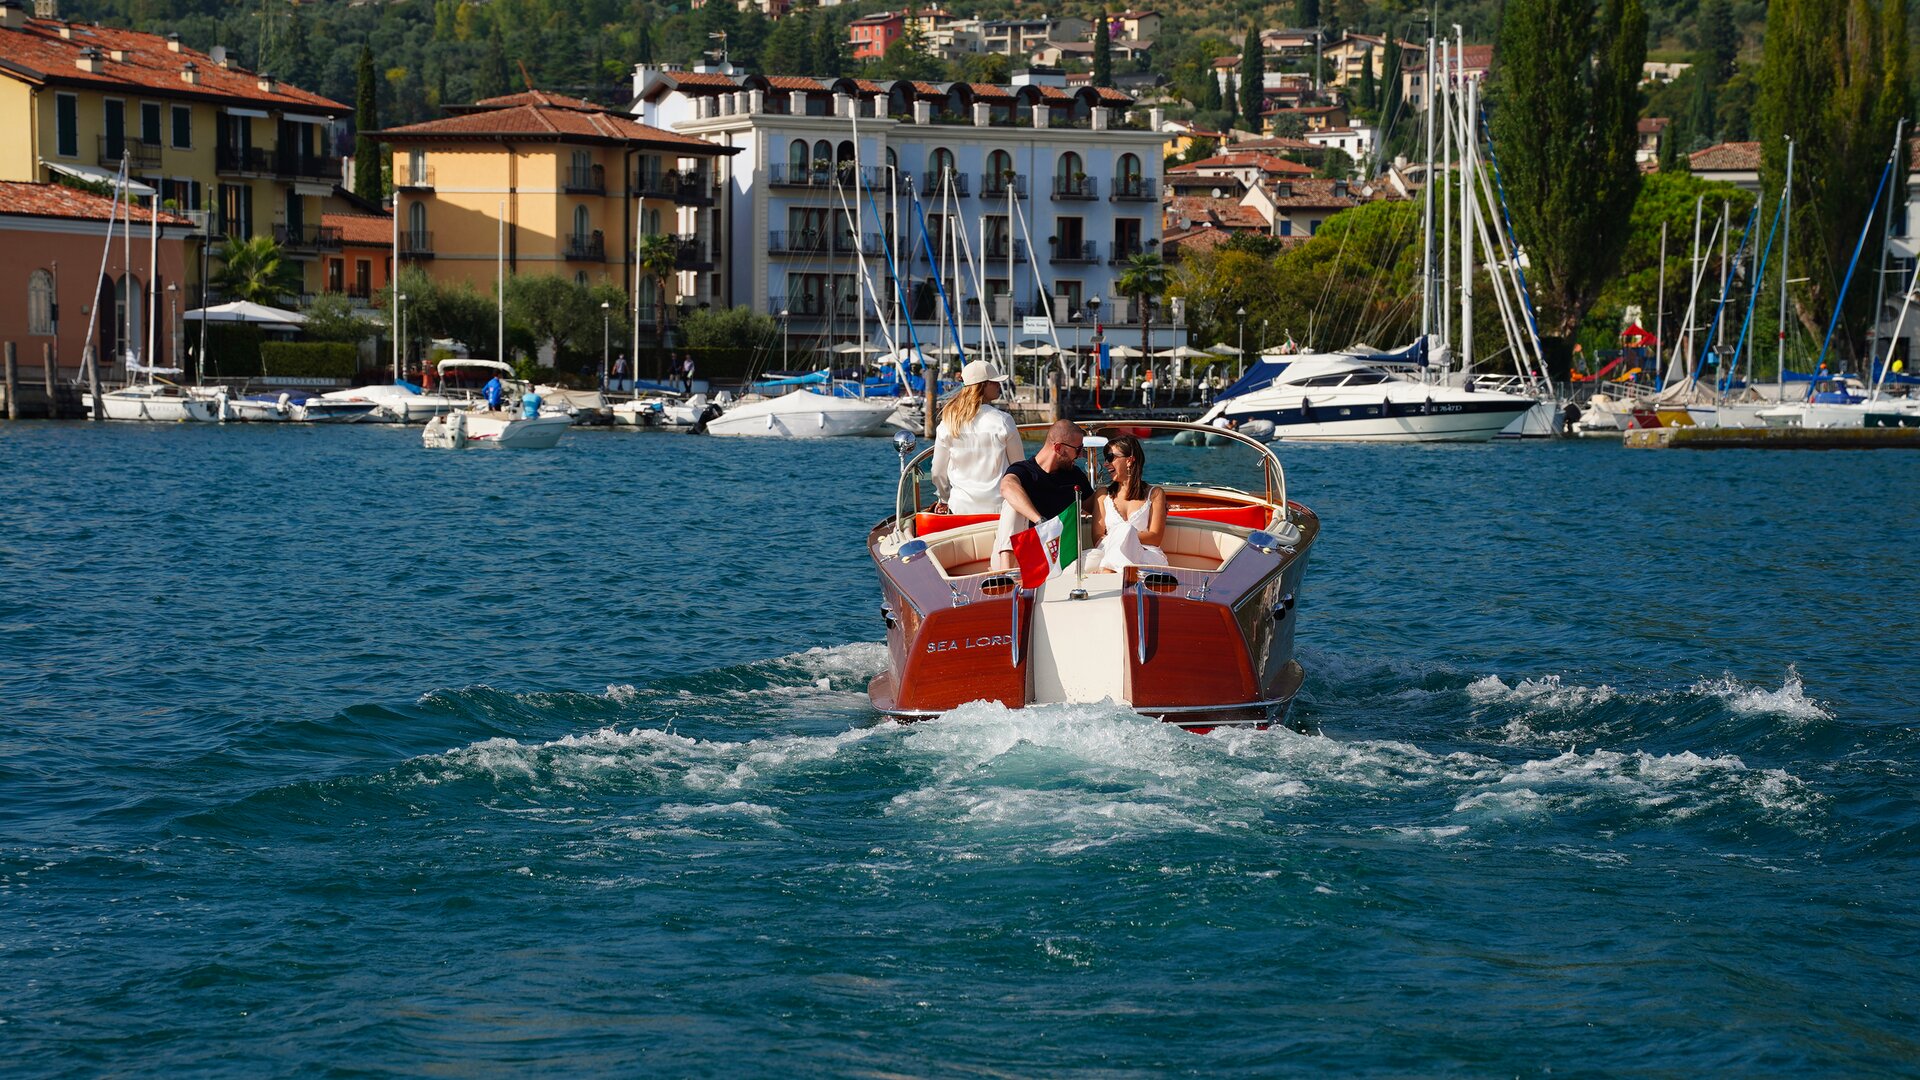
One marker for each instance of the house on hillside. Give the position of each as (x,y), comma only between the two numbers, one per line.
(1651,131)
(869,35)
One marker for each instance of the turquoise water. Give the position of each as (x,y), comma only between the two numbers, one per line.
(321,753)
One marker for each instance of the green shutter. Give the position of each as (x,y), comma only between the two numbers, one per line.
(66,122)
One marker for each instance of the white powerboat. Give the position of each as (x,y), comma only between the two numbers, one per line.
(262,409)
(1362,398)
(495,427)
(804,415)
(397,404)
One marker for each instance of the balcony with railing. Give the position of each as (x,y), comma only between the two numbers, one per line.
(797,242)
(416,244)
(1135,189)
(999,248)
(940,181)
(692,252)
(584,180)
(1068,252)
(587,247)
(1075,188)
(823,177)
(417,178)
(298,166)
(996,187)
(142,155)
(689,187)
(1120,251)
(307,238)
(243,160)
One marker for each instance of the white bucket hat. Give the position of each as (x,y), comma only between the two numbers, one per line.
(979,371)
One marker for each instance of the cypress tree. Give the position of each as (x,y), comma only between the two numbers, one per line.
(1368,95)
(1210,94)
(1252,79)
(1835,80)
(1102,52)
(1566,131)
(1306,13)
(366,119)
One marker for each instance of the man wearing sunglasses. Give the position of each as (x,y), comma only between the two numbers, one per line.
(1040,487)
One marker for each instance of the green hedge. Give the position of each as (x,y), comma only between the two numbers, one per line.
(310,359)
(233,349)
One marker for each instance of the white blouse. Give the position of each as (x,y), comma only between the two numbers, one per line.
(968,464)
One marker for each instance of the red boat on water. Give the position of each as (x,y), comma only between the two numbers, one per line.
(1203,641)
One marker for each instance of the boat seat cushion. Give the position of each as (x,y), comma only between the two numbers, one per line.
(925,524)
(1243,517)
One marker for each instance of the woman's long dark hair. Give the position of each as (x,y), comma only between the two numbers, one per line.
(1137,488)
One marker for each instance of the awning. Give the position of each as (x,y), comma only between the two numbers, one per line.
(303,118)
(234,110)
(94,175)
(243,311)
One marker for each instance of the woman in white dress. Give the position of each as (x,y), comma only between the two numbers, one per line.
(1132,518)
(974,444)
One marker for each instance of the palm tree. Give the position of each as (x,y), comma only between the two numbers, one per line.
(256,270)
(659,258)
(1144,278)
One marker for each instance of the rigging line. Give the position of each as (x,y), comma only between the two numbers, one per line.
(1512,238)
(926,244)
(1726,287)
(1839,303)
(1387,240)
(1510,254)
(1693,305)
(860,259)
(899,287)
(1753,297)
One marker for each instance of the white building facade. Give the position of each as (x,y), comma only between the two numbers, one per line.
(1031,201)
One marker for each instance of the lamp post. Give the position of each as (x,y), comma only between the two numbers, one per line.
(1099,337)
(1243,336)
(784,313)
(606,340)
(173,324)
(399,333)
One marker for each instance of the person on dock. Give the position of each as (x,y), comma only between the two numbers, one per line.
(686,372)
(974,444)
(1038,488)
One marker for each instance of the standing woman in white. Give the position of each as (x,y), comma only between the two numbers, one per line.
(974,444)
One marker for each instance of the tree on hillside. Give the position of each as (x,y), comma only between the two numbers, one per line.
(1253,82)
(1368,95)
(1835,80)
(1210,96)
(1306,13)
(1566,132)
(366,119)
(1102,52)
(830,58)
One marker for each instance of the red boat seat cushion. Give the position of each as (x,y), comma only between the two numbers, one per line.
(925,524)
(1241,517)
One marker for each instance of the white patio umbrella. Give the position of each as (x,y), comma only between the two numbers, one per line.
(1125,352)
(849,347)
(1223,349)
(1042,349)
(246,311)
(1184,352)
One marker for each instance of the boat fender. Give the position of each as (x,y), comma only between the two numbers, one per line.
(1280,609)
(280,406)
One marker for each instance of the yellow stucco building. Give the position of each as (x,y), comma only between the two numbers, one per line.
(241,153)
(576,186)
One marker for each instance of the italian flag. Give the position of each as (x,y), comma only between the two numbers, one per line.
(1048,548)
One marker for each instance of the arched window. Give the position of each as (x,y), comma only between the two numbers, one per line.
(582,222)
(40,303)
(893,160)
(999,165)
(1129,167)
(1068,166)
(797,157)
(940,161)
(845,155)
(823,155)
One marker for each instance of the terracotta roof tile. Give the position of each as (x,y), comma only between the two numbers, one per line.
(703,79)
(796,82)
(1726,157)
(1312,193)
(36,53)
(990,92)
(363,230)
(1266,163)
(60,201)
(543,123)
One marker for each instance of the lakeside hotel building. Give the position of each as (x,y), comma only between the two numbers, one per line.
(1081,165)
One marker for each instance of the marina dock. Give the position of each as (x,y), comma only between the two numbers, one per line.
(1705,438)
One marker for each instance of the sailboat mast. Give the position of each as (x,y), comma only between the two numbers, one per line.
(1726,283)
(1426,264)
(1461,98)
(1699,207)
(1886,244)
(859,219)
(1660,299)
(1786,250)
(1444,87)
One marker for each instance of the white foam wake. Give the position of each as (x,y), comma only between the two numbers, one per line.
(1790,700)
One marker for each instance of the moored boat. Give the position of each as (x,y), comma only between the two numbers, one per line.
(805,415)
(1362,398)
(1202,641)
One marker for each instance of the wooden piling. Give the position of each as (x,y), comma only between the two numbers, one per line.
(93,384)
(13,382)
(52,378)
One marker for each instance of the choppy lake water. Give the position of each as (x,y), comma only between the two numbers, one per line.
(322,753)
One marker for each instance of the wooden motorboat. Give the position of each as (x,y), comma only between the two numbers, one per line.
(1203,641)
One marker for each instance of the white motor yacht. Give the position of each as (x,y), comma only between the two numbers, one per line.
(1362,398)
(804,415)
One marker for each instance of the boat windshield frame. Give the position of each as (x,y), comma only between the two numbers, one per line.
(906,499)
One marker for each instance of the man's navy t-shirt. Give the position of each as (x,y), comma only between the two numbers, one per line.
(1050,492)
